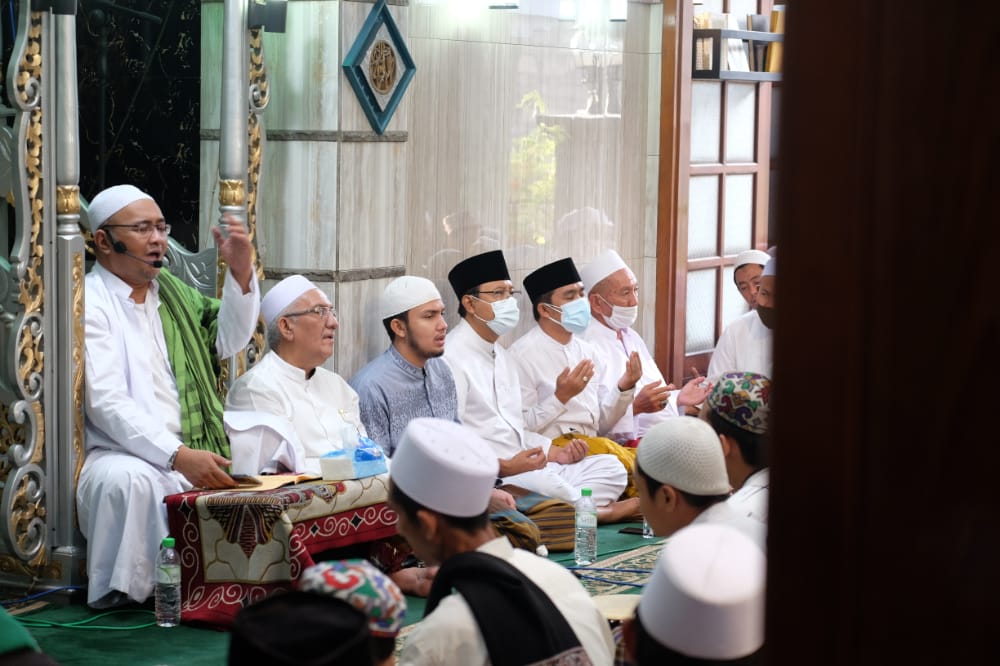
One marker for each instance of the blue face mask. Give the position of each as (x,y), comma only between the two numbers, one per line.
(505,315)
(575,315)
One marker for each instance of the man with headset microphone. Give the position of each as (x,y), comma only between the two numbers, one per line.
(153,346)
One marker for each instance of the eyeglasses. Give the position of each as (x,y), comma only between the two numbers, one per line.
(143,228)
(500,293)
(323,311)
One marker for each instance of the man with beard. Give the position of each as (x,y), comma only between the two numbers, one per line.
(745,345)
(410,379)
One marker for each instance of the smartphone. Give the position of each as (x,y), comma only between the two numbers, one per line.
(631,530)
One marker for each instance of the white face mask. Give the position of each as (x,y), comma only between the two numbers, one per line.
(505,315)
(622,316)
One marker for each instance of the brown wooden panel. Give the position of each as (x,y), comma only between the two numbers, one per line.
(883,491)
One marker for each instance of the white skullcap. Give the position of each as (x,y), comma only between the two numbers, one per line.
(770,268)
(406,292)
(110,201)
(758,257)
(705,598)
(445,466)
(686,453)
(602,266)
(283,294)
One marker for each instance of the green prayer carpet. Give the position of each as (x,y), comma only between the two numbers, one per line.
(131,638)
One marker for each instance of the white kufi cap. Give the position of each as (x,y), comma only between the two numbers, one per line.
(283,294)
(404,293)
(602,266)
(686,453)
(705,598)
(758,257)
(445,466)
(110,201)
(770,268)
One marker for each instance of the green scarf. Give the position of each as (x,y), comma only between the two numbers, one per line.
(190,324)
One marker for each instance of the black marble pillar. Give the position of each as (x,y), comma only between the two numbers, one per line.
(146,129)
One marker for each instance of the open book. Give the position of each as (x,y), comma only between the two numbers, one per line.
(270,481)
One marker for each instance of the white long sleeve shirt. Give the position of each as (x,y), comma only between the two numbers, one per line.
(614,348)
(318,407)
(744,346)
(123,411)
(539,359)
(489,392)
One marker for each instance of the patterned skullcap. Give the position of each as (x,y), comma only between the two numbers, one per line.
(743,399)
(364,587)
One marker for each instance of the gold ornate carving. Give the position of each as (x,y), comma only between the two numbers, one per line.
(78,331)
(67,199)
(382,67)
(39,571)
(29,71)
(231,193)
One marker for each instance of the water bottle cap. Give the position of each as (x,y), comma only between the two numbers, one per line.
(168,542)
(585,492)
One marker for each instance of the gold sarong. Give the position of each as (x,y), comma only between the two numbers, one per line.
(596,445)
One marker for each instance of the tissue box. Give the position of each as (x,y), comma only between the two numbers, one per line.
(367,459)
(336,466)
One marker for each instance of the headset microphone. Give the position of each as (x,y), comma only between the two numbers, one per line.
(120,248)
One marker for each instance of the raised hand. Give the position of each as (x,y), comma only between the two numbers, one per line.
(652,398)
(632,374)
(235,249)
(570,383)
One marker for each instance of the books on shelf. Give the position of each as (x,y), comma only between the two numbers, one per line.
(733,52)
(757,51)
(775,49)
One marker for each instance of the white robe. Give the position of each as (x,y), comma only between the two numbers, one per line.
(723,513)
(319,408)
(489,402)
(539,359)
(744,346)
(125,477)
(450,635)
(615,348)
(751,499)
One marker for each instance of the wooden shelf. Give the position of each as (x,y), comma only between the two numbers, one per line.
(718,37)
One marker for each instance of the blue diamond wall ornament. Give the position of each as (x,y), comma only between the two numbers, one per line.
(379,67)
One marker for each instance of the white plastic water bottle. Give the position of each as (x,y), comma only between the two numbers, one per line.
(585,550)
(168,585)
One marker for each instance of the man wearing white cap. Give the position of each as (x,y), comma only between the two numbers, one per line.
(410,379)
(704,603)
(682,479)
(613,293)
(489,393)
(289,383)
(489,603)
(746,273)
(746,344)
(153,414)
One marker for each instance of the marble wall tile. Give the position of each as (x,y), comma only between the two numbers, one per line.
(303,66)
(297,207)
(375,229)
(654,69)
(361,336)
(651,205)
(649,299)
